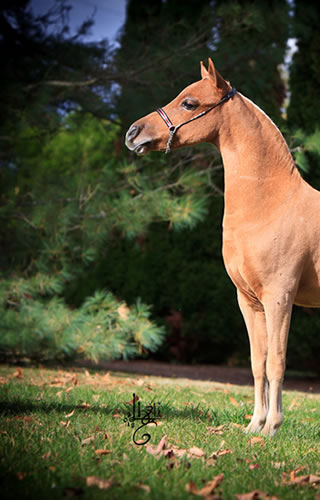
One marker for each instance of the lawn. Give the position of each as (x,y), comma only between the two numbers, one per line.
(63,433)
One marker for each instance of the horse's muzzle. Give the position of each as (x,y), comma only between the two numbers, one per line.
(139,147)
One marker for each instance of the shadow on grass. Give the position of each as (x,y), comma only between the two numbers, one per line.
(18,408)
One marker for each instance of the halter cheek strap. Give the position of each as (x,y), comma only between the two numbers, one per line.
(173,129)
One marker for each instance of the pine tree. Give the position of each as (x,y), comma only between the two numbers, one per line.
(304,107)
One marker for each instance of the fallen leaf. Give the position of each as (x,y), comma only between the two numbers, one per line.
(25,419)
(100,452)
(87,440)
(300,480)
(116,415)
(195,452)
(70,414)
(162,444)
(254,466)
(256,440)
(211,461)
(292,404)
(190,487)
(211,485)
(46,455)
(313,479)
(134,400)
(234,402)
(220,453)
(65,424)
(206,490)
(216,430)
(18,373)
(102,484)
(84,406)
(248,417)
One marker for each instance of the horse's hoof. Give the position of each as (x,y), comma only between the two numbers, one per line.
(254,426)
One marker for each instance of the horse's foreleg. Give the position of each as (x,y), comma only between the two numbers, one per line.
(278,310)
(257,331)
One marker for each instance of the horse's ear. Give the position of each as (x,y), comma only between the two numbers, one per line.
(211,72)
(204,71)
(218,81)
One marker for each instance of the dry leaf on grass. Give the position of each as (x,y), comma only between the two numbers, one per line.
(254,466)
(248,417)
(84,406)
(190,487)
(46,455)
(70,414)
(100,452)
(256,440)
(207,489)
(171,451)
(134,400)
(234,402)
(87,440)
(102,484)
(220,453)
(195,452)
(65,424)
(25,419)
(18,373)
(300,480)
(216,430)
(237,426)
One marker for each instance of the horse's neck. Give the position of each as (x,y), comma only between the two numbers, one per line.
(259,169)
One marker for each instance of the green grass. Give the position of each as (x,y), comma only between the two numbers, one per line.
(42,455)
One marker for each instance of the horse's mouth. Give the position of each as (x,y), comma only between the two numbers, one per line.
(143,148)
(140,149)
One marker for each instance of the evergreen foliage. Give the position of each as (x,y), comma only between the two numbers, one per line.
(304,108)
(86,227)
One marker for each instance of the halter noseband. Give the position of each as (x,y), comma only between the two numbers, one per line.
(173,129)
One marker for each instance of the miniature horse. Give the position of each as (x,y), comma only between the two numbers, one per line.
(271,219)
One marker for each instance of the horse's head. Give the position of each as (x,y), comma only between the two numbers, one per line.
(151,132)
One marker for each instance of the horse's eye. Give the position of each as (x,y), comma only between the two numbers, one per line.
(189,105)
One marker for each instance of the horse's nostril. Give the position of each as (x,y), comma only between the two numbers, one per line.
(133,132)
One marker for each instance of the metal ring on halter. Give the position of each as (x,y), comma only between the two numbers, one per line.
(173,129)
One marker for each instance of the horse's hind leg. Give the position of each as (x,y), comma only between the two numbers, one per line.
(257,331)
(278,308)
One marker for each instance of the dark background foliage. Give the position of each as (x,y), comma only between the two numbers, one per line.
(87,228)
